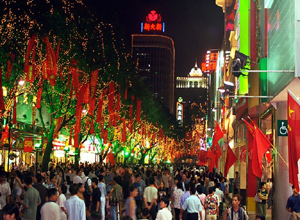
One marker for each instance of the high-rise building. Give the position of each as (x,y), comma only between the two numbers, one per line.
(155,55)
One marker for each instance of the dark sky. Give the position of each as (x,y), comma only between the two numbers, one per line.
(194,25)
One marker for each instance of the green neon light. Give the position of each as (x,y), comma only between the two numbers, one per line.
(244,39)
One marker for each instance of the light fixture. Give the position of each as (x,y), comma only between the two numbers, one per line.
(21,82)
(221,89)
(239,62)
(227,83)
(84,111)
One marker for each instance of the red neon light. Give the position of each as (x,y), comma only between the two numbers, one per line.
(154,27)
(153,17)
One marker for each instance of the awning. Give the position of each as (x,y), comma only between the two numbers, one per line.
(293,86)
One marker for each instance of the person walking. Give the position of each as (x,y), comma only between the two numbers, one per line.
(193,206)
(74,205)
(211,205)
(95,205)
(50,210)
(293,205)
(31,200)
(61,201)
(116,195)
(183,198)
(150,198)
(263,196)
(43,192)
(176,199)
(130,204)
(164,213)
(235,212)
(102,188)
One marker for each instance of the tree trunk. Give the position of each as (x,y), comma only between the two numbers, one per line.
(77,157)
(48,150)
(142,160)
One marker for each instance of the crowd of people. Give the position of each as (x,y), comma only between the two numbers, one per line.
(98,192)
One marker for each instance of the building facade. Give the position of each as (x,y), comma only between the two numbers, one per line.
(155,55)
(192,91)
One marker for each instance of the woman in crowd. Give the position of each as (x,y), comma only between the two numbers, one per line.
(130,204)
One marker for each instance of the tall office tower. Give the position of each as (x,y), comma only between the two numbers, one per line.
(155,55)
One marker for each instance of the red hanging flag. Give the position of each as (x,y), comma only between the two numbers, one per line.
(230,160)
(138,110)
(111,158)
(218,134)
(260,146)
(293,138)
(217,153)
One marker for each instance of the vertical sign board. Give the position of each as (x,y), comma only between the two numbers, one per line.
(28,144)
(179,113)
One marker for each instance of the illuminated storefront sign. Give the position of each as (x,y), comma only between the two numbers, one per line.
(179,111)
(153,23)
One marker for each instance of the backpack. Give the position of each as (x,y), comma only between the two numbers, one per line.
(87,188)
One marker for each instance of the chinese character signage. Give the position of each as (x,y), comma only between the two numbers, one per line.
(153,23)
(28,144)
(179,113)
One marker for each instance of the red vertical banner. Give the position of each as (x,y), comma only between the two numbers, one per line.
(2,107)
(15,111)
(105,136)
(124,130)
(93,84)
(28,144)
(138,110)
(39,97)
(100,106)
(79,108)
(111,95)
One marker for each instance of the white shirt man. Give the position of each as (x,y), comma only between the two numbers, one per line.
(75,206)
(5,190)
(50,210)
(219,193)
(77,178)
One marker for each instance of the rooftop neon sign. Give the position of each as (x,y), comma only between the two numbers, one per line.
(153,23)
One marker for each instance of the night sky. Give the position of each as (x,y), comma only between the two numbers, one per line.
(194,25)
